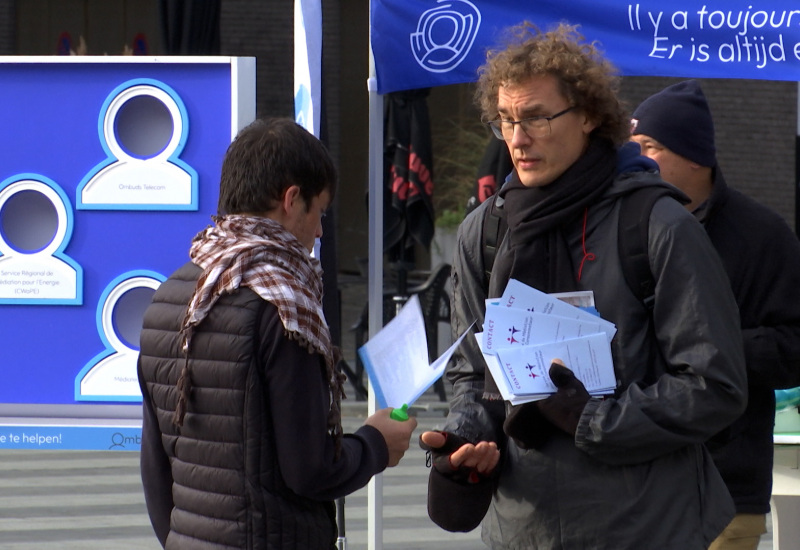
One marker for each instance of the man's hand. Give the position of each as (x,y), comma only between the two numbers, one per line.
(459,486)
(397,434)
(564,408)
(452,453)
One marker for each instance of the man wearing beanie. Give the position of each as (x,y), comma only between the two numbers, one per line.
(762,257)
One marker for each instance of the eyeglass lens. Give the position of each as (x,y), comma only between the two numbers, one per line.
(534,127)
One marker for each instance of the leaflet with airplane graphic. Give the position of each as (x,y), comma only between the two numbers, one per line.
(505,327)
(526,329)
(589,358)
(521,296)
(503,385)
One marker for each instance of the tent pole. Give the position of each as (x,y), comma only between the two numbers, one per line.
(797,168)
(375,281)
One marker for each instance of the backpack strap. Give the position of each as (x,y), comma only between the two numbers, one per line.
(494,230)
(633,239)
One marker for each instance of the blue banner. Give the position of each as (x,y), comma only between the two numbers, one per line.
(423,43)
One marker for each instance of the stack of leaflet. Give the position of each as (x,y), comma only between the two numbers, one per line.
(526,329)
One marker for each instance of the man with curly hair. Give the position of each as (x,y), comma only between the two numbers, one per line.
(628,471)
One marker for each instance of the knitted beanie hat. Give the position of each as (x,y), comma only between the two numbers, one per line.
(679,118)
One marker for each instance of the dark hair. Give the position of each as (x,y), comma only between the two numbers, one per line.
(266,158)
(587,80)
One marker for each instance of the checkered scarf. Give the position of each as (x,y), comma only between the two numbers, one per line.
(260,254)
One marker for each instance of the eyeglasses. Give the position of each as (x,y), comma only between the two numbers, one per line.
(534,127)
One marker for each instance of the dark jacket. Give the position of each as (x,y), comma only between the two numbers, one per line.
(637,474)
(253,465)
(762,257)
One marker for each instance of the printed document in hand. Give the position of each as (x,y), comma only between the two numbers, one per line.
(396,358)
(526,329)
(507,326)
(521,296)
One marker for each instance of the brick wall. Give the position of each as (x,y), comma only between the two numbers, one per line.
(264,30)
(8,27)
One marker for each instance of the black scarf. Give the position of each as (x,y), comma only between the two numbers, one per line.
(538,254)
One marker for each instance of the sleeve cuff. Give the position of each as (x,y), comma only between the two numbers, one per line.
(374,440)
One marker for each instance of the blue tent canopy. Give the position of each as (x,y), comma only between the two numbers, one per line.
(425,43)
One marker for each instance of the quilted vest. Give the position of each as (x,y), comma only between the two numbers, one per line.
(227,488)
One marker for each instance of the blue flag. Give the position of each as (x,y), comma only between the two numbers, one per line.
(308,63)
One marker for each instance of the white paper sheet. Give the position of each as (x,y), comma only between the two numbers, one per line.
(396,358)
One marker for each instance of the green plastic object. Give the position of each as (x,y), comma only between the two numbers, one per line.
(786,399)
(400,414)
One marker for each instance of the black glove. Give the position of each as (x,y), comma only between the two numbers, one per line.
(440,458)
(564,407)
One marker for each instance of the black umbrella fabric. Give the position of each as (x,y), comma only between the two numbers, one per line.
(408,175)
(495,166)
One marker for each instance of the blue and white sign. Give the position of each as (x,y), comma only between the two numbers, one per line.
(424,43)
(71,438)
(36,226)
(440,50)
(143,128)
(110,167)
(111,374)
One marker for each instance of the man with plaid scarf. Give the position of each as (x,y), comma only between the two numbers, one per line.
(242,444)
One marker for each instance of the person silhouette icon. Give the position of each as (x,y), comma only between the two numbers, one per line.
(36,222)
(111,374)
(143,127)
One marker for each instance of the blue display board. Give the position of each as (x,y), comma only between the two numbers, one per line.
(109,167)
